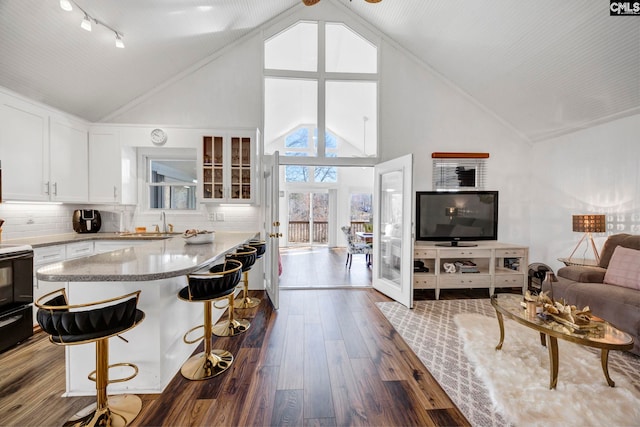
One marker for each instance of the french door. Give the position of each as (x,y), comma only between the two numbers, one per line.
(392,229)
(272,226)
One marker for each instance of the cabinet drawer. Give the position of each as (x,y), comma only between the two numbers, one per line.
(48,254)
(423,253)
(509,280)
(424,281)
(465,280)
(509,253)
(80,249)
(465,253)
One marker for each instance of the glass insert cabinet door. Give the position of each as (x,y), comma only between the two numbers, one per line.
(227,168)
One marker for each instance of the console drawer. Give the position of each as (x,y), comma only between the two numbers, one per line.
(503,280)
(509,253)
(465,280)
(424,281)
(465,253)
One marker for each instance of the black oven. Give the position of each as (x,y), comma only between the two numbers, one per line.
(16,294)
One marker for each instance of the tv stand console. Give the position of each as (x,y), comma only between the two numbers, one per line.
(499,265)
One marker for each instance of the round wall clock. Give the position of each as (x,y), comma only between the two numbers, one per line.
(158,137)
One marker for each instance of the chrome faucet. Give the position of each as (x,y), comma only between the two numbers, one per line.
(163,217)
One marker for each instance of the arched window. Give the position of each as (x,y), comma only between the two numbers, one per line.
(321,93)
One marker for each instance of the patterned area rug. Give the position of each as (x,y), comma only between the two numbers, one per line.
(430,330)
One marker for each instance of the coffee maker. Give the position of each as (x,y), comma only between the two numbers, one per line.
(86,221)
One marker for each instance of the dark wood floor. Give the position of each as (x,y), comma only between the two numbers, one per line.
(326,357)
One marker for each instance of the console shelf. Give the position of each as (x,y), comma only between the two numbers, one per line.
(499,265)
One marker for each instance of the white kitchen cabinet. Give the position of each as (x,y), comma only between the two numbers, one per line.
(44,256)
(44,155)
(103,246)
(79,249)
(24,150)
(112,169)
(229,168)
(69,156)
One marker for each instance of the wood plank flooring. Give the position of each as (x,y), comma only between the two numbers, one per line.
(326,357)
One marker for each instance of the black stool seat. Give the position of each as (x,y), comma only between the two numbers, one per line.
(95,322)
(206,287)
(260,245)
(220,282)
(80,327)
(247,255)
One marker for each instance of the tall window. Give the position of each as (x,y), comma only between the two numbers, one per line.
(325,105)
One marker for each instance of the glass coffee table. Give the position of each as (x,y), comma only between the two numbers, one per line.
(601,335)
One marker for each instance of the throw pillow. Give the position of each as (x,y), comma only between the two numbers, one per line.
(624,268)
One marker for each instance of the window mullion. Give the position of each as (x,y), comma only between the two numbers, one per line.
(322,119)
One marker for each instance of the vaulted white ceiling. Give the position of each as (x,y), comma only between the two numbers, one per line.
(544,67)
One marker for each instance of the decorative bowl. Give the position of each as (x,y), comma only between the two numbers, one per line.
(200,238)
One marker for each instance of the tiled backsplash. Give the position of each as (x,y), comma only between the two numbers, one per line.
(32,220)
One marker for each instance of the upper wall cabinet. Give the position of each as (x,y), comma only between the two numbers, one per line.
(68,154)
(23,150)
(112,169)
(44,156)
(228,170)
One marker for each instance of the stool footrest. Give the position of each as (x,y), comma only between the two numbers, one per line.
(92,374)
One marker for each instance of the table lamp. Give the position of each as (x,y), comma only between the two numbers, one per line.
(588,224)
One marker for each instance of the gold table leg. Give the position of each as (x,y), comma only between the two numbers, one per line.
(552,343)
(501,324)
(604,358)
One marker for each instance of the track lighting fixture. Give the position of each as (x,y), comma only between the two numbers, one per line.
(89,20)
(312,2)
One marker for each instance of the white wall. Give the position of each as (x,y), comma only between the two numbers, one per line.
(596,170)
(421,113)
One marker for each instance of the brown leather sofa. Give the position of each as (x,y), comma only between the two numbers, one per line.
(583,286)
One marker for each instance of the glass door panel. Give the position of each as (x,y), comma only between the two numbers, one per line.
(320,218)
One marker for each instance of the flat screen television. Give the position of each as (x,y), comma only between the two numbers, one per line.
(456,218)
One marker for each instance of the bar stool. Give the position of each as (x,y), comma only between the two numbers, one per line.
(247,255)
(219,283)
(261,248)
(231,326)
(95,322)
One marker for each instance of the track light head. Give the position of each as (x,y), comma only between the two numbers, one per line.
(86,23)
(119,42)
(66,5)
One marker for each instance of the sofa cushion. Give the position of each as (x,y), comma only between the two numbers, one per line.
(609,246)
(624,268)
(579,273)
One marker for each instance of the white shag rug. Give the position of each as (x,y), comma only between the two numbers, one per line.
(456,340)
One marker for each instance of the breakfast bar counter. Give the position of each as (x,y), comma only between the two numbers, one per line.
(158,268)
(156,259)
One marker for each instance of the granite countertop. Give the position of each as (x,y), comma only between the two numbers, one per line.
(61,239)
(158,259)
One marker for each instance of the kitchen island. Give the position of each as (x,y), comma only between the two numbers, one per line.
(157,268)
